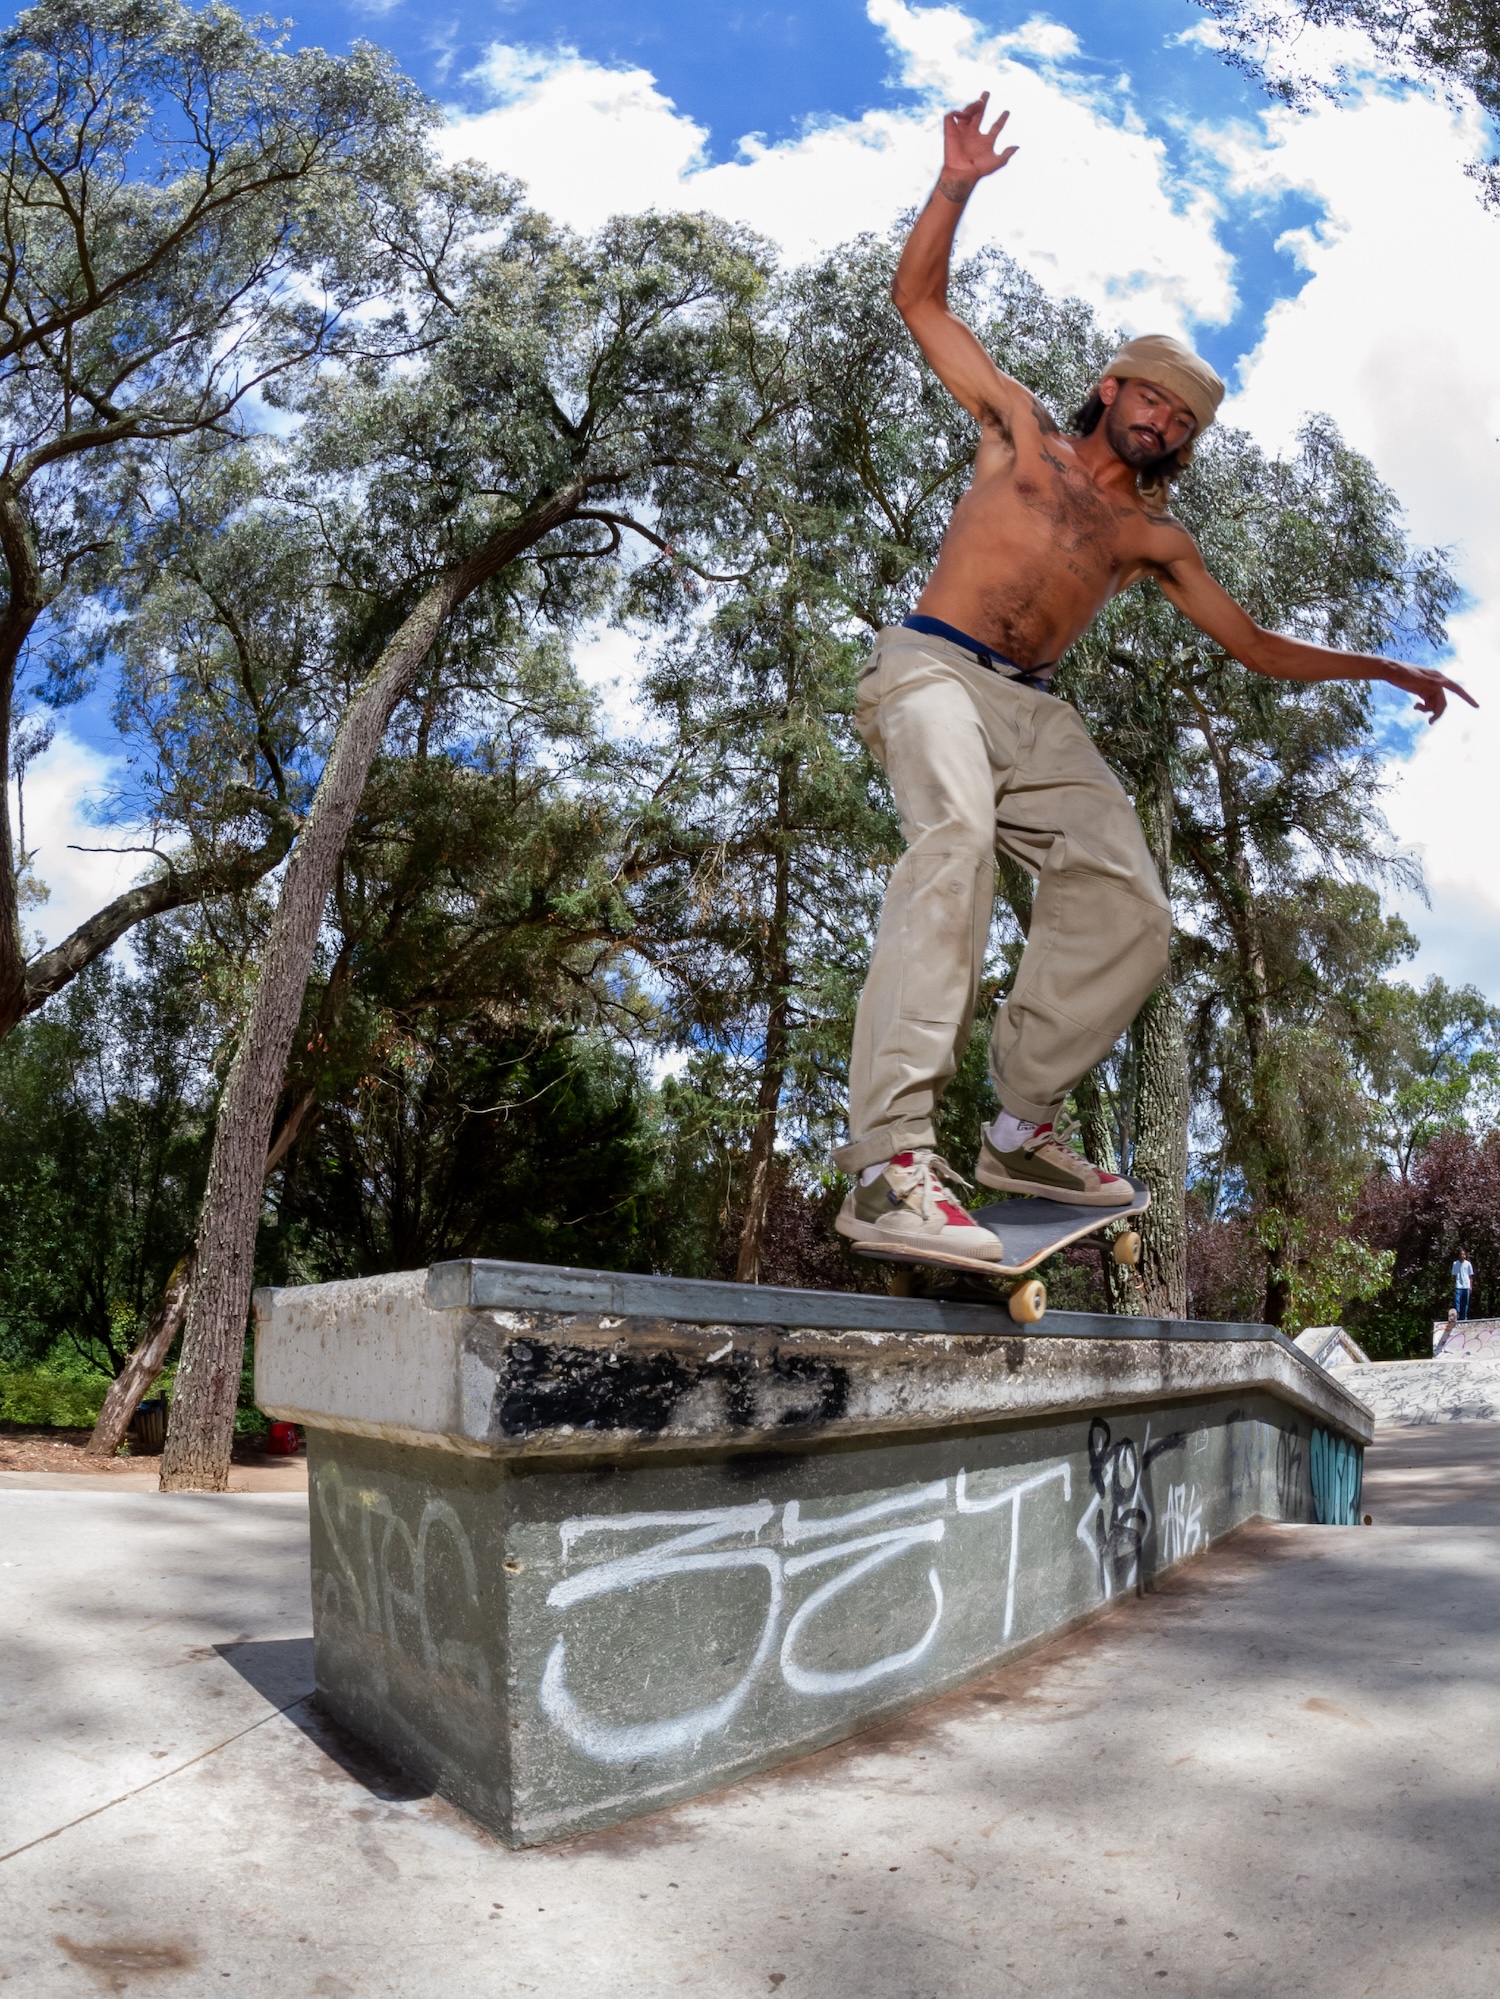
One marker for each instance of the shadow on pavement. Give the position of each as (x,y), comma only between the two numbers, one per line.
(281,1672)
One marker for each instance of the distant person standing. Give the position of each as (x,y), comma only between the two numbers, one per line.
(1463,1283)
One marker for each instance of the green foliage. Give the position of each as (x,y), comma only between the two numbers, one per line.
(1454,44)
(1435,1066)
(190,218)
(41,1397)
(472,1141)
(104,1117)
(1322,1276)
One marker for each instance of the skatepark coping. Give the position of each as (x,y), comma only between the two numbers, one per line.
(513,1359)
(481,1284)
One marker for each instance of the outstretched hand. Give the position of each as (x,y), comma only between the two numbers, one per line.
(969,152)
(1430,687)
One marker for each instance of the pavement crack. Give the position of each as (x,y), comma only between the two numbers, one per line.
(151,1783)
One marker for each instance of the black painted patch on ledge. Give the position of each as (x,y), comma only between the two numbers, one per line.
(543,1387)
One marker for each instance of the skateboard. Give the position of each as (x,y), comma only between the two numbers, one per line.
(1030,1229)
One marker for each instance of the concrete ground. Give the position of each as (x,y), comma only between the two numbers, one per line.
(1277,1774)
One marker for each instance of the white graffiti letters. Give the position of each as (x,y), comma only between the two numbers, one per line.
(1180,1528)
(683,1553)
(857,1544)
(1011,1496)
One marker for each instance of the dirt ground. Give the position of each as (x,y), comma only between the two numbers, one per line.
(25,1449)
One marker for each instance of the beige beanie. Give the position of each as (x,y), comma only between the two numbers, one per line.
(1157,357)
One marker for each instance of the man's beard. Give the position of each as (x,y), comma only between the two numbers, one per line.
(1144,459)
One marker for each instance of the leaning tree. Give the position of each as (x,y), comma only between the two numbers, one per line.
(184,232)
(570,395)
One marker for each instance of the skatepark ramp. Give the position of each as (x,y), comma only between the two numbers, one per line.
(586,1543)
(1460,1389)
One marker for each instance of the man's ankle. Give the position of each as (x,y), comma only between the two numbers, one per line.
(1007,1133)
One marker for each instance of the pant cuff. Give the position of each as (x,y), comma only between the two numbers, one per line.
(1033,1113)
(878,1146)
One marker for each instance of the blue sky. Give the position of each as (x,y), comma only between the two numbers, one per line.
(1338,261)
(773,71)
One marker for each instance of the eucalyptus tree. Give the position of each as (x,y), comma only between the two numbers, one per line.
(474,918)
(106,1103)
(567,396)
(760,851)
(1275,814)
(1453,44)
(1436,1067)
(758,922)
(185,224)
(462,1038)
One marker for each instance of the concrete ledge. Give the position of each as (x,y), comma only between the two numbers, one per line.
(583,1544)
(419,1359)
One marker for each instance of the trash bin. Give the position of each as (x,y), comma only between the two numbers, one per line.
(148,1426)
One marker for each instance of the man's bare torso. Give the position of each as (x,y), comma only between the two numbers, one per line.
(1036,548)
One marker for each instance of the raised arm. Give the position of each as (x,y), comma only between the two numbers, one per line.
(920,287)
(1188,584)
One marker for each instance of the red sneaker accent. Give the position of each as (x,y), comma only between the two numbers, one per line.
(899,1159)
(957,1216)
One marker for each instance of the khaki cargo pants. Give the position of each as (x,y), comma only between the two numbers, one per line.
(977,760)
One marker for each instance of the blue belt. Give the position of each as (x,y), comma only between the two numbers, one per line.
(934,628)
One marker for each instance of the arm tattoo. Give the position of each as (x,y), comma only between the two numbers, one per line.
(953,188)
(1044,421)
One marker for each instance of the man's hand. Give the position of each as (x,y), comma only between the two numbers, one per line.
(969,152)
(1430,687)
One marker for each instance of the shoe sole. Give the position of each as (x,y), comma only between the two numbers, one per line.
(915,1249)
(1003,1183)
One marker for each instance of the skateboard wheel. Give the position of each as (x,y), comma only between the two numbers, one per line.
(902,1284)
(1128,1247)
(1028,1302)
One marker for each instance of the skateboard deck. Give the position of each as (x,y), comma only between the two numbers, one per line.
(1030,1228)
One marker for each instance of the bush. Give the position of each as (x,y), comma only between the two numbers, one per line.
(41,1398)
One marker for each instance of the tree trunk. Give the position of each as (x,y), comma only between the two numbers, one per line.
(762,1149)
(1159,1156)
(25,600)
(200,1433)
(144,1365)
(1233,887)
(1278,1288)
(773,1065)
(1122,1294)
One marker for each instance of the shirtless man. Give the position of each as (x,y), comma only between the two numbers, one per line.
(955,706)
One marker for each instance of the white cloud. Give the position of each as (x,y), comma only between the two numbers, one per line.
(59,787)
(1089,203)
(610,663)
(1048,40)
(1394,334)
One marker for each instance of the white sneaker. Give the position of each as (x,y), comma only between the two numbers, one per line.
(909,1206)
